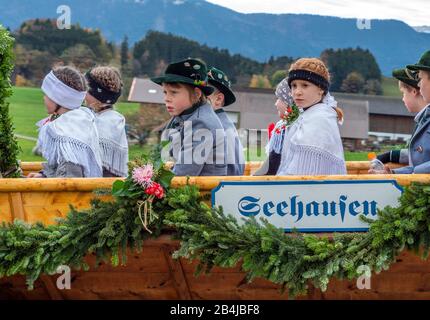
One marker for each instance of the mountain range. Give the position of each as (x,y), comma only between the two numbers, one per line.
(258,36)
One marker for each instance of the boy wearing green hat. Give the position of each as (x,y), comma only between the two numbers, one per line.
(220,98)
(195,132)
(419,145)
(414,102)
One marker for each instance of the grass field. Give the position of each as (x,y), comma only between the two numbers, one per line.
(390,87)
(27,108)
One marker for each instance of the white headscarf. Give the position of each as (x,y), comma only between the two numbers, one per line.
(61,93)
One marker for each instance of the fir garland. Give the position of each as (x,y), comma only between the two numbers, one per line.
(107,229)
(8,144)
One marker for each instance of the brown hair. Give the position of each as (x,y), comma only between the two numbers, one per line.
(314,65)
(108,77)
(317,66)
(408,87)
(71,77)
(194,101)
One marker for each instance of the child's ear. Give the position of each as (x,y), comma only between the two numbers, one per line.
(198,93)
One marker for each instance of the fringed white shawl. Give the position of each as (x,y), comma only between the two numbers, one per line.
(113,142)
(74,138)
(312,145)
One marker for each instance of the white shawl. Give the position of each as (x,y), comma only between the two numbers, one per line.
(312,145)
(113,141)
(74,138)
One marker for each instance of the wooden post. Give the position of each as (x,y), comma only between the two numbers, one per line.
(17,206)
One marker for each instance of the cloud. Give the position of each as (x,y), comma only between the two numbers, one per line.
(413,12)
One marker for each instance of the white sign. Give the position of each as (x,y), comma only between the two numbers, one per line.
(308,206)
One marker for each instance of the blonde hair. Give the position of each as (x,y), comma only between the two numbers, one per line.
(317,66)
(110,78)
(194,100)
(71,77)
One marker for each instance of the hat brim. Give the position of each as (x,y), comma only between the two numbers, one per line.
(416,67)
(229,97)
(173,78)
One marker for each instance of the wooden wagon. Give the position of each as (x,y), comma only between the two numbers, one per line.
(153,274)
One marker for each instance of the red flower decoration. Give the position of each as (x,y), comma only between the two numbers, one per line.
(270,129)
(155,189)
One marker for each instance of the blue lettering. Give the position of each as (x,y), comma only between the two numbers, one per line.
(266,207)
(329,208)
(353,206)
(280,207)
(373,206)
(249,207)
(312,208)
(342,206)
(299,213)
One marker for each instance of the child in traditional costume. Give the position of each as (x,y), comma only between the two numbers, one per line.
(312,144)
(222,97)
(419,144)
(105,88)
(277,131)
(414,102)
(69,141)
(195,132)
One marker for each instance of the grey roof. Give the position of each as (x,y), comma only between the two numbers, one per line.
(379,104)
(145,91)
(257,109)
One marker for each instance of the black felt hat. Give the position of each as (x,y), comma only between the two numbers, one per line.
(407,76)
(190,71)
(219,80)
(423,64)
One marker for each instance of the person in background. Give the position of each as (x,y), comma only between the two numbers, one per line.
(222,97)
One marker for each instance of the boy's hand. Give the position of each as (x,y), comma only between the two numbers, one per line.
(35,175)
(386,170)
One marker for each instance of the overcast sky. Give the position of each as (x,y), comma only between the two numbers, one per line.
(413,12)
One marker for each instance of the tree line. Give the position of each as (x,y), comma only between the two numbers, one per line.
(40,45)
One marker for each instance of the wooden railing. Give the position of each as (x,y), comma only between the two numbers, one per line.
(44,200)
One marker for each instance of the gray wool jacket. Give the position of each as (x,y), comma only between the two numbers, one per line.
(234,148)
(197,143)
(419,147)
(63,170)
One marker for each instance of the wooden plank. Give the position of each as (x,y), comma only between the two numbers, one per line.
(51,288)
(177,273)
(5,208)
(16,205)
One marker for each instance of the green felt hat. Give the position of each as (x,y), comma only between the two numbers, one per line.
(423,64)
(407,76)
(190,71)
(219,80)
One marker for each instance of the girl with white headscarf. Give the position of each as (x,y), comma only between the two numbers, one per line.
(69,140)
